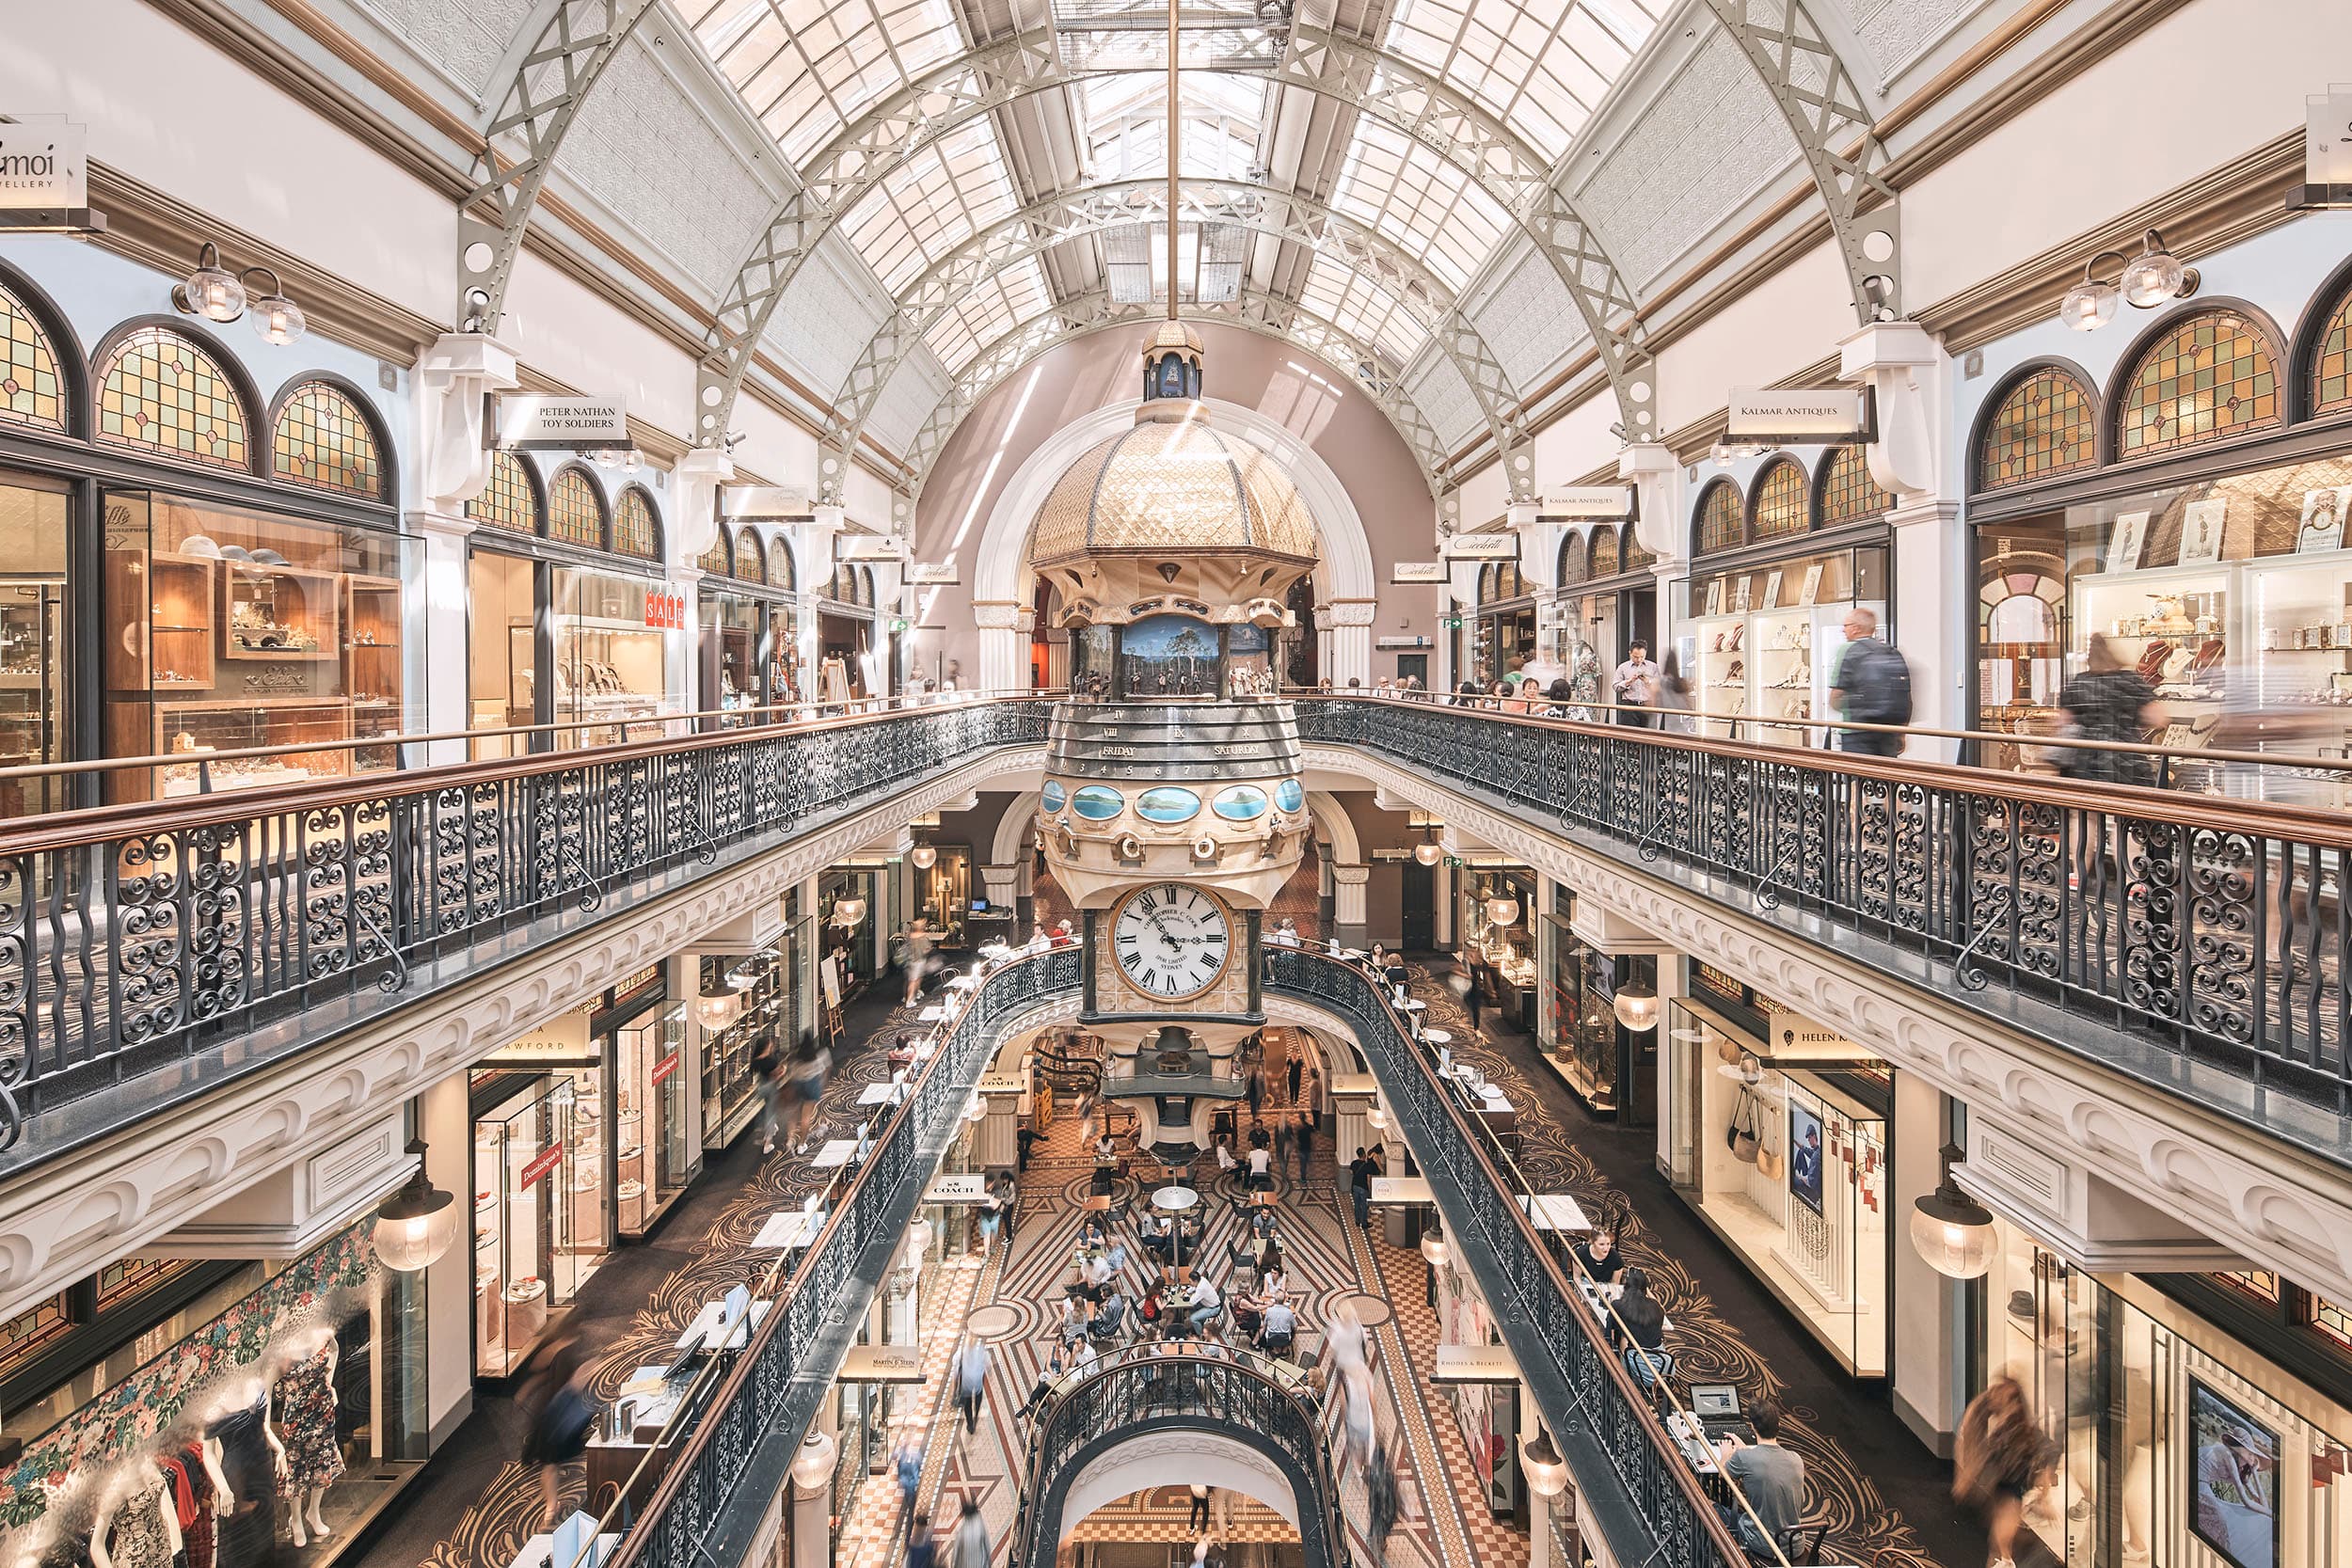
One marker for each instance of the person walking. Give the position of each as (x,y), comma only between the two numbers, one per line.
(1305,1139)
(920,939)
(561,1415)
(767,1082)
(1360,1187)
(1314,1095)
(1635,687)
(1872,686)
(1997,1459)
(1257,1091)
(971,1548)
(1298,1066)
(910,1463)
(1197,1522)
(971,1374)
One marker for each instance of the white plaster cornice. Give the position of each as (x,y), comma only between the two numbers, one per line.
(65,1220)
(2278,1207)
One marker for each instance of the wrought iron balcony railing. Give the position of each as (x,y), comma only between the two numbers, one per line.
(143,937)
(2197,943)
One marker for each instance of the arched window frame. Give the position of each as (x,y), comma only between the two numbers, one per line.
(1719,492)
(1773,468)
(1569,570)
(2151,341)
(1986,427)
(2329,312)
(369,420)
(534,491)
(750,550)
(1633,555)
(604,510)
(251,408)
(1827,471)
(64,350)
(1602,538)
(783,572)
(718,560)
(653,515)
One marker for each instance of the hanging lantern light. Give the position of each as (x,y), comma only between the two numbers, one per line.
(1502,911)
(918,1242)
(923,856)
(716,1012)
(1547,1472)
(1950,1229)
(2156,275)
(812,1467)
(1429,852)
(1432,1245)
(1378,1117)
(847,913)
(975,1110)
(278,320)
(415,1225)
(1637,1006)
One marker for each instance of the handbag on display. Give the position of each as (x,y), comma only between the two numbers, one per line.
(1745,1145)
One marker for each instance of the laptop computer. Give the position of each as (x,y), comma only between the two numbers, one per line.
(1717,1407)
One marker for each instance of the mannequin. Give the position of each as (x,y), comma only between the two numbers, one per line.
(142,1521)
(301,1431)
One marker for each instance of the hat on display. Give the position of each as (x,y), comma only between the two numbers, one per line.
(199,544)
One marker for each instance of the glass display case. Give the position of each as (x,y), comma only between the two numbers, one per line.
(610,668)
(654,1151)
(33,712)
(1762,642)
(730,1100)
(530,1256)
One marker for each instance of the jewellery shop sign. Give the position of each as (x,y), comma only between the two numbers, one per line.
(528,422)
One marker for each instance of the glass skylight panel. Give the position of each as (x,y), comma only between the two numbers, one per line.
(1392,184)
(1540,66)
(989,312)
(1351,300)
(807,68)
(1126,125)
(931,203)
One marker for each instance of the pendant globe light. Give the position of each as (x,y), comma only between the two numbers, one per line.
(1636,1005)
(923,857)
(1952,1231)
(415,1225)
(1539,1461)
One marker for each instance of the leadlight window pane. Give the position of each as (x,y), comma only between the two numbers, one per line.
(714,561)
(2261,1283)
(1849,493)
(29,1330)
(2332,1319)
(160,393)
(508,501)
(2046,426)
(2331,361)
(323,441)
(573,512)
(1605,552)
(1638,557)
(2210,378)
(30,392)
(1722,519)
(634,530)
(1571,566)
(751,562)
(1783,501)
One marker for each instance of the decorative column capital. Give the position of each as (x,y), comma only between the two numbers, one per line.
(694,508)
(1349,613)
(1351,876)
(1901,362)
(454,374)
(1655,474)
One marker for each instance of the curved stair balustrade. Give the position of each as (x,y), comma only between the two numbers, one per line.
(2196,943)
(1237,1394)
(133,940)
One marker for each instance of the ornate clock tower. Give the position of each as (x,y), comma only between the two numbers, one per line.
(1172,809)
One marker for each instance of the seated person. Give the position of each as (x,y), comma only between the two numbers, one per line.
(1072,1326)
(1225,1161)
(1091,1233)
(1276,1328)
(1111,1319)
(1096,1273)
(1262,1224)
(1271,1282)
(1149,1311)
(1261,1169)
(1598,1257)
(1770,1477)
(1204,1301)
(1157,1235)
(1041,1390)
(1247,1310)
(1257,1138)
(902,1051)
(1643,1332)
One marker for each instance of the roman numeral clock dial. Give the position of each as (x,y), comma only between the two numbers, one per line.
(1171,941)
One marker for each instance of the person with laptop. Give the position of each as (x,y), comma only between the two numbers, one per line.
(1770,1477)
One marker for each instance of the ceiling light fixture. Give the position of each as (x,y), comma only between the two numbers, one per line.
(416,1223)
(1636,1005)
(276,320)
(1952,1231)
(2146,280)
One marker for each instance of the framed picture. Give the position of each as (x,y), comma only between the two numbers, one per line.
(2233,1480)
(1771,592)
(1804,1155)
(1739,590)
(2124,541)
(2201,532)
(1810,594)
(2323,520)
(1715,598)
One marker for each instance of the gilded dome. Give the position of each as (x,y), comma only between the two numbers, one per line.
(1179,490)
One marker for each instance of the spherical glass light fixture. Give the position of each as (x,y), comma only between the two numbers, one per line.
(918,1242)
(923,856)
(1952,1231)
(1428,852)
(2090,304)
(1636,1005)
(2156,275)
(1432,1245)
(1502,911)
(210,291)
(1376,1118)
(812,1467)
(976,1109)
(848,911)
(415,1225)
(716,1012)
(276,320)
(1547,1472)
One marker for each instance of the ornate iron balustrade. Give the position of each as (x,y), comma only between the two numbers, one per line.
(1655,1513)
(132,938)
(730,1466)
(2214,930)
(1157,1387)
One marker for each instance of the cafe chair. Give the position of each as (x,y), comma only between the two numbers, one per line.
(1801,1544)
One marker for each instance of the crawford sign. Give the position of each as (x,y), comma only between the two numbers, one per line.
(527,421)
(1837,417)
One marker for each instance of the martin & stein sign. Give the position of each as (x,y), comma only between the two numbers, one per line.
(1481,546)
(1833,416)
(1608,503)
(1416,571)
(528,422)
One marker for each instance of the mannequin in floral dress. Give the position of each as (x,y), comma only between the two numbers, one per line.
(139,1520)
(301,1433)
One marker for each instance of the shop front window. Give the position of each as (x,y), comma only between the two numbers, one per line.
(1847,493)
(511,500)
(538,1215)
(575,512)
(730,650)
(34,715)
(1762,642)
(610,668)
(238,630)
(655,1152)
(1783,504)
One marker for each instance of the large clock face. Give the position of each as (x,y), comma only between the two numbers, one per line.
(1170,940)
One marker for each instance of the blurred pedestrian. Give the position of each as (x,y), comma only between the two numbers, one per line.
(560,1415)
(1634,686)
(972,1550)
(971,1375)
(1872,686)
(1997,1459)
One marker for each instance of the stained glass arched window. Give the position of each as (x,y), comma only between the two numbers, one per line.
(2331,360)
(160,392)
(31,391)
(1604,558)
(1848,492)
(1784,501)
(1638,556)
(324,441)
(510,500)
(751,560)
(575,514)
(714,561)
(1571,564)
(1720,520)
(780,571)
(2211,377)
(635,531)
(2044,426)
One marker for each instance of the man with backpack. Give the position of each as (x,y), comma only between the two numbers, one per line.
(1872,686)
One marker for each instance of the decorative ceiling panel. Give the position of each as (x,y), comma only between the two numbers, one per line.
(1540,66)
(1529,320)
(807,68)
(931,203)
(914,392)
(1711,141)
(1419,201)
(648,152)
(822,324)
(1446,400)
(1896,31)
(467,38)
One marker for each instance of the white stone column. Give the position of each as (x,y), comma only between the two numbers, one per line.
(692,526)
(1657,477)
(1908,373)
(439,608)
(1348,652)
(1004,629)
(1351,1095)
(454,377)
(1931,1313)
(445,1121)
(1348,894)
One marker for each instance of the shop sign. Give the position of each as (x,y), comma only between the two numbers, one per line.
(562,1039)
(548,1158)
(957,1187)
(44,165)
(664,1067)
(1614,502)
(1829,416)
(1476,1364)
(529,421)
(869,547)
(744,503)
(881,1364)
(666,611)
(1401,641)
(1416,571)
(1481,546)
(933,573)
